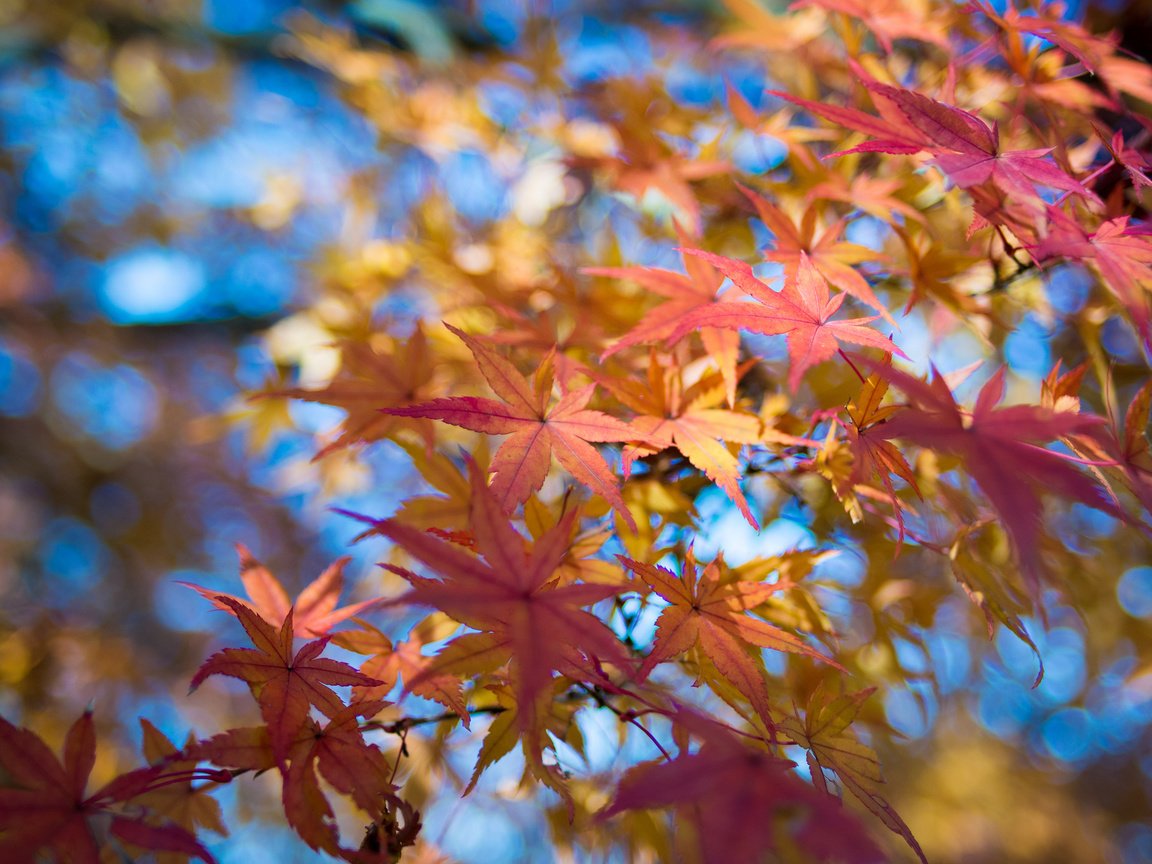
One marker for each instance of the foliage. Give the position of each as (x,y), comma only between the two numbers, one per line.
(930,165)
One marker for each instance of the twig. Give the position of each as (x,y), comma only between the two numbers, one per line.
(627,716)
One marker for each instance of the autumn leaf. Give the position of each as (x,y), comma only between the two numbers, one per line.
(669,415)
(825,734)
(392,661)
(246,748)
(831,257)
(1122,255)
(509,595)
(191,807)
(285,685)
(684,292)
(506,730)
(887,19)
(338,752)
(371,379)
(741,799)
(1001,449)
(45,810)
(536,431)
(646,164)
(802,311)
(314,613)
(874,457)
(708,611)
(581,562)
(965,147)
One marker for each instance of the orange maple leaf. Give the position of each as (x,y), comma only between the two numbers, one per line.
(825,734)
(390,661)
(536,431)
(830,256)
(709,611)
(684,294)
(371,379)
(802,310)
(285,685)
(670,415)
(314,612)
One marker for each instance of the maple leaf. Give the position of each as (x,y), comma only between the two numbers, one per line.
(506,729)
(736,794)
(390,661)
(1122,255)
(647,164)
(965,147)
(824,733)
(1136,455)
(874,457)
(578,563)
(684,293)
(707,611)
(509,595)
(670,415)
(887,19)
(247,748)
(448,510)
(802,311)
(536,431)
(932,268)
(1136,163)
(285,685)
(371,379)
(314,613)
(764,31)
(190,807)
(45,809)
(873,195)
(1001,450)
(1047,23)
(829,256)
(337,751)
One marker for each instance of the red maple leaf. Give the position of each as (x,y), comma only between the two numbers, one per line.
(965,147)
(314,612)
(536,430)
(830,256)
(1122,254)
(684,293)
(735,792)
(46,810)
(802,310)
(338,752)
(509,595)
(709,611)
(390,661)
(285,685)
(1001,449)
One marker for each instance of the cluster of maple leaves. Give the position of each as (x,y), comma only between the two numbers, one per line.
(532,618)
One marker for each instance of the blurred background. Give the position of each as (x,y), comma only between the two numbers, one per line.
(198,198)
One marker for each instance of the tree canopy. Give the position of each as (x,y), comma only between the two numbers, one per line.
(529,431)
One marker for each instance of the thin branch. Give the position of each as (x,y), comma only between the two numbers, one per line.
(400,727)
(627,716)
